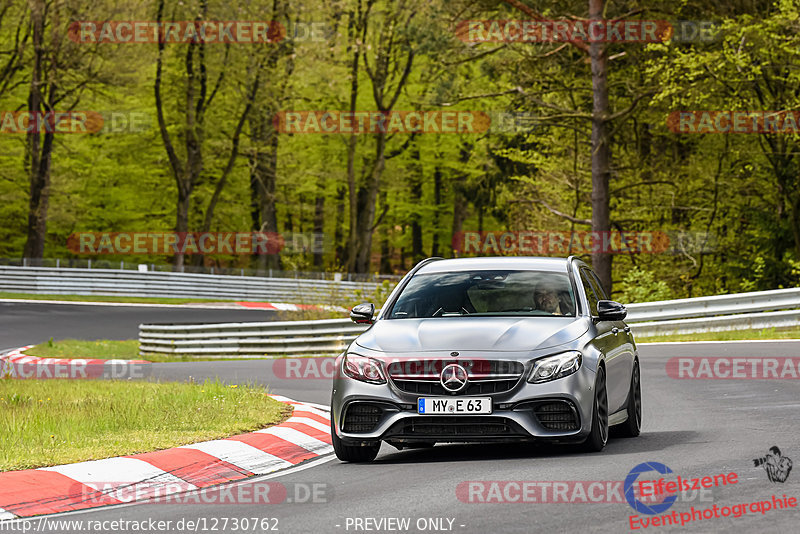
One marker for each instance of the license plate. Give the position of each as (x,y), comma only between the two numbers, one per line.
(451,406)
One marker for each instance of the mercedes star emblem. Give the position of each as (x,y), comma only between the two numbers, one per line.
(454,378)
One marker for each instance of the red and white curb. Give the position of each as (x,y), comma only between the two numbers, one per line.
(17,364)
(47,490)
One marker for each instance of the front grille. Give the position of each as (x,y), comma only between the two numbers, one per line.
(362,417)
(556,415)
(453,427)
(422,377)
(473,388)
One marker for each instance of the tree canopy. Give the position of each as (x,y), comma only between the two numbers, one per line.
(552,137)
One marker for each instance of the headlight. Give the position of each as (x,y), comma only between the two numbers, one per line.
(554,367)
(363,368)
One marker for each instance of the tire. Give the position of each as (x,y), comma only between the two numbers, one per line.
(353,453)
(632,427)
(598,437)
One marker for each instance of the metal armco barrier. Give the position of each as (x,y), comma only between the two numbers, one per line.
(745,321)
(109,282)
(717,305)
(686,316)
(327,336)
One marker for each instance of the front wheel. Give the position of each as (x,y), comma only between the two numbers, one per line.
(598,437)
(353,453)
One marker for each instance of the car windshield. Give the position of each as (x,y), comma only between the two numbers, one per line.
(486,293)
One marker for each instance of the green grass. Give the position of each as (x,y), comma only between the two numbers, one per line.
(109,350)
(100,298)
(52,422)
(75,348)
(730,335)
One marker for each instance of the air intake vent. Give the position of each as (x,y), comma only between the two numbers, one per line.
(557,415)
(362,417)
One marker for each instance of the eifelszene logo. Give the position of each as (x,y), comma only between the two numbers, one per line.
(630,489)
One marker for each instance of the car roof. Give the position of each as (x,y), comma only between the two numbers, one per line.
(522,263)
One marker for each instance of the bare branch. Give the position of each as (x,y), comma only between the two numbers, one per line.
(517,4)
(554,211)
(175,163)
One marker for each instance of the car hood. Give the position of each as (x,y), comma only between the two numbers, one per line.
(511,334)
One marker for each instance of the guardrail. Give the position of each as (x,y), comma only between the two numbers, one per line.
(716,313)
(110,282)
(263,272)
(327,336)
(685,316)
(716,305)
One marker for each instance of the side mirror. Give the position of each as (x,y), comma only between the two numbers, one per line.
(608,310)
(362,314)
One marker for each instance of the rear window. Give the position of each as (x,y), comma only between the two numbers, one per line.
(486,293)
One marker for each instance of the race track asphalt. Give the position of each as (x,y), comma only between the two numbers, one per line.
(696,427)
(29,323)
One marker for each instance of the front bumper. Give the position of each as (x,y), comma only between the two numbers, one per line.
(516,414)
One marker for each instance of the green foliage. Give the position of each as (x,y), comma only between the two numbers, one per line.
(378,297)
(742,191)
(639,285)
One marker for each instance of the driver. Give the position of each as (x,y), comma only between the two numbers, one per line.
(546,299)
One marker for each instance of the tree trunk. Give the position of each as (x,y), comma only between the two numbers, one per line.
(459,214)
(437,201)
(794,209)
(354,32)
(319,228)
(338,233)
(234,154)
(185,173)
(415,197)
(601,151)
(386,249)
(181,223)
(368,198)
(263,172)
(39,152)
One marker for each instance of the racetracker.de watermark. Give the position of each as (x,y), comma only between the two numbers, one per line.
(51,368)
(208,31)
(179,492)
(388,122)
(324,368)
(168,243)
(733,368)
(74,122)
(530,243)
(564,31)
(561,492)
(586,31)
(734,122)
(58,523)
